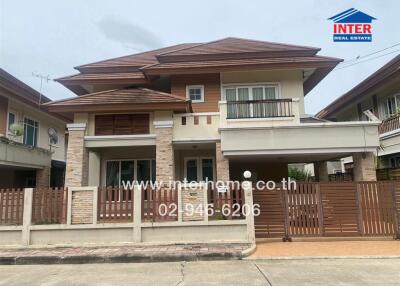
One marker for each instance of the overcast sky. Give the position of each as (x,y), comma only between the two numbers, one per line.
(51,37)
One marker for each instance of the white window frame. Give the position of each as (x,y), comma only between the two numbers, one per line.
(58,141)
(8,121)
(236,86)
(199,167)
(38,130)
(201,87)
(396,104)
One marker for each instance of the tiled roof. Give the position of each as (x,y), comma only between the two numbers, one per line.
(381,76)
(89,77)
(240,62)
(135,60)
(120,96)
(236,45)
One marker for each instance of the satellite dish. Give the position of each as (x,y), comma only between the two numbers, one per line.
(53,136)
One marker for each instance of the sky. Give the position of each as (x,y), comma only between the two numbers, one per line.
(51,37)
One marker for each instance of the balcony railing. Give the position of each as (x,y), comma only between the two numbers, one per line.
(267,108)
(390,124)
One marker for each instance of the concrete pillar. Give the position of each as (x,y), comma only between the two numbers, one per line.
(321,171)
(43,177)
(364,166)
(222,164)
(248,201)
(27,216)
(77,156)
(164,151)
(94,169)
(137,214)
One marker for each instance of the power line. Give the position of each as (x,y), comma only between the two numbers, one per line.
(370,54)
(367,60)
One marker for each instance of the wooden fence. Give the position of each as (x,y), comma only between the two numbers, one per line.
(329,209)
(225,204)
(49,206)
(114,205)
(11,206)
(159,204)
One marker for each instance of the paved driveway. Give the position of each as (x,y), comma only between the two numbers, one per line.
(248,272)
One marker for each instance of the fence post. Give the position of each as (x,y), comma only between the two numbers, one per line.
(137,214)
(248,200)
(180,204)
(396,211)
(205,201)
(361,229)
(27,216)
(320,209)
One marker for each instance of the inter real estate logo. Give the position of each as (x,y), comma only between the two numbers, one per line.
(352,26)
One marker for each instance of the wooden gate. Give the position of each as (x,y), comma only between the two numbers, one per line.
(329,209)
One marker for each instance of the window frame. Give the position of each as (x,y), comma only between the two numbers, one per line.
(104,173)
(396,98)
(8,120)
(199,167)
(199,86)
(37,134)
(250,87)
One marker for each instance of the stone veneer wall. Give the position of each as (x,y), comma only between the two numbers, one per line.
(194,197)
(77,160)
(321,171)
(164,154)
(82,207)
(43,177)
(364,168)
(222,164)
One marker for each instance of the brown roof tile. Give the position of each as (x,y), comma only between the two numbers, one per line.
(236,45)
(95,77)
(375,80)
(135,60)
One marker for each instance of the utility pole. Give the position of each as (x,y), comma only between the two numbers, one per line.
(42,77)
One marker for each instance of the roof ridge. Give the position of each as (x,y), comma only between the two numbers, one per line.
(199,45)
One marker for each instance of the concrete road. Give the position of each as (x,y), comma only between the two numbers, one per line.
(249,272)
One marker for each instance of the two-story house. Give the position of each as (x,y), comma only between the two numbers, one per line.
(205,110)
(380,94)
(32,141)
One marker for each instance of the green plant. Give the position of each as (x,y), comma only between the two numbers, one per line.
(16,130)
(298,174)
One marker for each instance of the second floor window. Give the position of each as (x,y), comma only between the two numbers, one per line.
(11,119)
(392,105)
(31,129)
(195,93)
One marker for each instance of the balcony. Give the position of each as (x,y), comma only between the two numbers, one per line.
(196,127)
(390,124)
(259,113)
(17,154)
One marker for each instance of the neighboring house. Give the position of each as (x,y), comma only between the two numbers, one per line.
(380,94)
(29,157)
(209,110)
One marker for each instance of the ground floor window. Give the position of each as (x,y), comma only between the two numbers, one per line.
(199,169)
(118,171)
(394,161)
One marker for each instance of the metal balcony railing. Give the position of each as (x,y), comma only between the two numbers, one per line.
(266,108)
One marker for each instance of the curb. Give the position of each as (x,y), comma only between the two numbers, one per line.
(269,258)
(137,258)
(249,251)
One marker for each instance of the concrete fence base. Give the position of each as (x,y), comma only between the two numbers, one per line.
(82,227)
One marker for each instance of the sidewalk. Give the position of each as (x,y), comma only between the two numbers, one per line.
(326,249)
(119,254)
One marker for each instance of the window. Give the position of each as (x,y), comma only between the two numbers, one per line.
(122,124)
(31,129)
(119,171)
(251,93)
(392,105)
(199,169)
(11,119)
(195,93)
(394,162)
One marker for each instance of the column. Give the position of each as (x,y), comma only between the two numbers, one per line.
(164,151)
(43,177)
(321,171)
(77,157)
(222,164)
(94,169)
(364,166)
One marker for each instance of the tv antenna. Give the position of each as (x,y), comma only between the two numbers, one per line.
(42,77)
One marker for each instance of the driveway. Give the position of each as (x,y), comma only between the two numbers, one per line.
(246,272)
